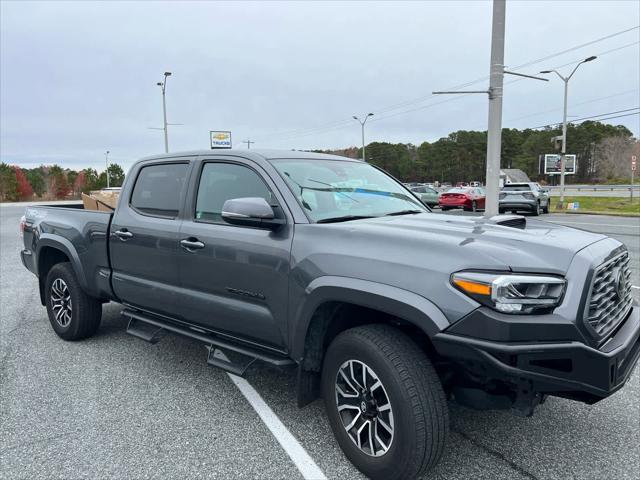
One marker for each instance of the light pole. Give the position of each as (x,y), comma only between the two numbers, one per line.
(163,85)
(362,122)
(563,153)
(106,161)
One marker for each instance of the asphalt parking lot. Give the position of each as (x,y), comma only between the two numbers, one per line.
(116,407)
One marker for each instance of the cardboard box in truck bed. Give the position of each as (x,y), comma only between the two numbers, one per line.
(104,200)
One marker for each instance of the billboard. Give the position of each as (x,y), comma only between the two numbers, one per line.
(220,139)
(552,164)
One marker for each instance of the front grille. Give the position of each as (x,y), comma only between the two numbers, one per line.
(610,299)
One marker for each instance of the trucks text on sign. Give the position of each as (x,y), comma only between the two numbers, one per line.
(220,139)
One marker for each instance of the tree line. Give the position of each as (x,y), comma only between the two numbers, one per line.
(602,152)
(51,182)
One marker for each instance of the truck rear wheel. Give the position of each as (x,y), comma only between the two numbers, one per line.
(73,314)
(385,402)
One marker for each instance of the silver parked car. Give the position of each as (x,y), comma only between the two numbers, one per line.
(529,197)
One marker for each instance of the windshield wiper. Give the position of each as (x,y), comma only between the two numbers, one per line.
(344,218)
(403,212)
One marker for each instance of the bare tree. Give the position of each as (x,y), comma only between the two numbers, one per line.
(612,156)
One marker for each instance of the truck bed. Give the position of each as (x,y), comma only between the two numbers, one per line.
(81,234)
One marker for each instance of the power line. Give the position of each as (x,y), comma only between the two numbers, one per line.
(518,67)
(619,116)
(335,125)
(593,116)
(452,99)
(577,47)
(618,94)
(458,97)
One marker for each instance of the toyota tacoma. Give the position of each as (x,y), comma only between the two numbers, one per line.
(330,266)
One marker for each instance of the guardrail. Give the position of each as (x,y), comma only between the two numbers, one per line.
(595,188)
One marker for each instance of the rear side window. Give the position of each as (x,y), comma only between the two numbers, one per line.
(158,189)
(516,188)
(458,190)
(220,182)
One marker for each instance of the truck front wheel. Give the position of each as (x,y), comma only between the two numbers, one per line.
(385,402)
(73,314)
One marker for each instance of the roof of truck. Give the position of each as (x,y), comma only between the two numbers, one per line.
(265,154)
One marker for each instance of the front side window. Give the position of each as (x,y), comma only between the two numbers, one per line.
(331,190)
(220,182)
(158,189)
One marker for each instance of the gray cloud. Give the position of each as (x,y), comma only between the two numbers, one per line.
(77,78)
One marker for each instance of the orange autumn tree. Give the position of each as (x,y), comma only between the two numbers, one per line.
(25,191)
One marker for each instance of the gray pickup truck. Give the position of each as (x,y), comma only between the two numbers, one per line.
(330,266)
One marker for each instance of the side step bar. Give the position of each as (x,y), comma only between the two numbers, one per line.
(229,356)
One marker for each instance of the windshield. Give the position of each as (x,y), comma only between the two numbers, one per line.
(333,189)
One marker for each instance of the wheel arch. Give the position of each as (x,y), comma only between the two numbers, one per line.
(52,251)
(334,304)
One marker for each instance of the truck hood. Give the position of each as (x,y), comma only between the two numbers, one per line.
(418,253)
(471,242)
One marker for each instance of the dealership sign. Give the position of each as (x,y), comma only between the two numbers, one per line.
(220,139)
(552,164)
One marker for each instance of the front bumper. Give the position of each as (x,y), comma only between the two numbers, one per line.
(568,369)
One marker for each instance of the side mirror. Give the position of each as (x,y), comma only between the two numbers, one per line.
(250,212)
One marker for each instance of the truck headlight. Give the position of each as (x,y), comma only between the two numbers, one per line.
(512,293)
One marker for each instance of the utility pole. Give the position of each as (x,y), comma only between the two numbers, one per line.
(362,122)
(248,142)
(494,128)
(163,85)
(563,153)
(494,132)
(106,161)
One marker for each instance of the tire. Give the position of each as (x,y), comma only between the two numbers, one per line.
(536,210)
(444,209)
(418,409)
(78,314)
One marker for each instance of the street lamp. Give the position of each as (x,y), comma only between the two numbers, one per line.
(563,153)
(163,85)
(362,122)
(106,161)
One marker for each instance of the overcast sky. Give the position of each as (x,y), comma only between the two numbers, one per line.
(79,78)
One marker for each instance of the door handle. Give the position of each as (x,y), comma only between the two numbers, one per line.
(123,234)
(191,244)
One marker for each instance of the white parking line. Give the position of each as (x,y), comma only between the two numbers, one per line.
(635,286)
(291,446)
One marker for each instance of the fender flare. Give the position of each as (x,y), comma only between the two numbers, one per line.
(404,304)
(66,247)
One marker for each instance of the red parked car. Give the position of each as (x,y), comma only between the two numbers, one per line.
(469,198)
